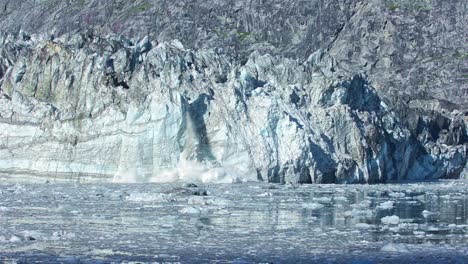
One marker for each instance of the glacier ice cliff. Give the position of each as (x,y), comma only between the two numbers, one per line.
(90,103)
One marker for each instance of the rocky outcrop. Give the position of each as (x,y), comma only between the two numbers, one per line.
(409,49)
(323,100)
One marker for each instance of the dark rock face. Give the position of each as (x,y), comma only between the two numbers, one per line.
(290,90)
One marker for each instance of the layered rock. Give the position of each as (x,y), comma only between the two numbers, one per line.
(106,107)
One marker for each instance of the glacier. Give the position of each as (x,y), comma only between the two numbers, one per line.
(92,108)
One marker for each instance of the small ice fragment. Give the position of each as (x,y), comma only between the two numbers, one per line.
(62,234)
(396,248)
(15,239)
(218,202)
(397,194)
(362,213)
(222,212)
(190,185)
(146,197)
(312,206)
(189,210)
(61,208)
(69,260)
(324,199)
(241,261)
(364,204)
(198,200)
(386,205)
(427,213)
(363,226)
(340,198)
(390,220)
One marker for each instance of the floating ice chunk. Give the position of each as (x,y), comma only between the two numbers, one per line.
(397,194)
(189,210)
(390,220)
(364,204)
(362,213)
(363,226)
(386,205)
(427,213)
(406,221)
(455,226)
(312,206)
(222,212)
(4,209)
(241,261)
(167,225)
(31,235)
(2,239)
(197,200)
(218,202)
(324,199)
(396,248)
(58,235)
(15,239)
(267,194)
(23,236)
(148,197)
(420,197)
(340,198)
(69,260)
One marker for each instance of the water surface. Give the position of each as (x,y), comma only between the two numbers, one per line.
(234,223)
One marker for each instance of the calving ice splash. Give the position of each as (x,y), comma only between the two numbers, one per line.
(186,171)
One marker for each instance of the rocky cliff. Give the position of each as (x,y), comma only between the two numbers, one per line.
(285,91)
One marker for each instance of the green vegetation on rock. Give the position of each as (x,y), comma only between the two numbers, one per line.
(141,8)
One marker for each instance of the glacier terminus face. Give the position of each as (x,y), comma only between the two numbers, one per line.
(87,108)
